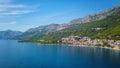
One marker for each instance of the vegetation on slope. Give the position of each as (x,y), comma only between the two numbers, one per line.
(108,28)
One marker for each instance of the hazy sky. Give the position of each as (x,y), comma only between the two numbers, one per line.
(24,14)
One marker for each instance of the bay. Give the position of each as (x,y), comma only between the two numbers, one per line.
(33,55)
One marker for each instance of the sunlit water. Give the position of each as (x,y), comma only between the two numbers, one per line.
(33,55)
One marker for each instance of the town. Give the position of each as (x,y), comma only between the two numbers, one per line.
(86,41)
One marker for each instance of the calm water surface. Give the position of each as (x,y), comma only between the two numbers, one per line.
(33,55)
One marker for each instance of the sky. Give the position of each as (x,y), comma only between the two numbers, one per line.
(20,15)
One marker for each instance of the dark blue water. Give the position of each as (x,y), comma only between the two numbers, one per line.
(33,55)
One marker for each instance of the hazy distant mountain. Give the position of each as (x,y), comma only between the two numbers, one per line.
(108,23)
(9,34)
(38,31)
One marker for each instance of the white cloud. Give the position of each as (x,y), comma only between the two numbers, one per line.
(12,6)
(13,9)
(8,23)
(12,23)
(16,12)
(7,8)
(5,1)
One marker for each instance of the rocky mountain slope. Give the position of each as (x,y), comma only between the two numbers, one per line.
(98,16)
(103,24)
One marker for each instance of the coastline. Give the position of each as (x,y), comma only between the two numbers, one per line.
(117,49)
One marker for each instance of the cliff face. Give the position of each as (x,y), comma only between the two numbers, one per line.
(98,16)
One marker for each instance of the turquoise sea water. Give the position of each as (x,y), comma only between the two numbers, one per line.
(33,55)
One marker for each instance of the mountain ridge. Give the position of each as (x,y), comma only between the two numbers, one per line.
(102,20)
(97,16)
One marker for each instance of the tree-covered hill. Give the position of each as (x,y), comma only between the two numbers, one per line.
(105,25)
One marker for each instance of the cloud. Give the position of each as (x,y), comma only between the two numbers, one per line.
(5,1)
(16,12)
(8,23)
(15,9)
(7,8)
(12,23)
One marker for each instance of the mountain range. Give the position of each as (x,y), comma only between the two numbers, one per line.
(104,24)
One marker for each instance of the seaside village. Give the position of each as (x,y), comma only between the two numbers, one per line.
(86,41)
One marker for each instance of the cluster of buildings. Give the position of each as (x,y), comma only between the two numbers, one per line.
(75,40)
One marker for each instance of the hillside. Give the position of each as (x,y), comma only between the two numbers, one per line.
(103,24)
